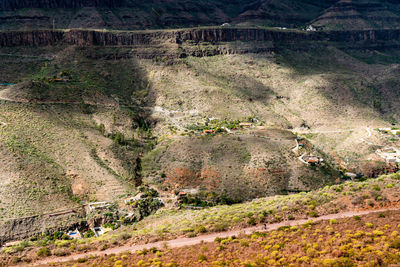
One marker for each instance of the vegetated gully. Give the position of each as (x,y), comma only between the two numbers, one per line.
(181,242)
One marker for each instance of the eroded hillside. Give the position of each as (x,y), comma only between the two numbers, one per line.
(116,114)
(165,102)
(220,115)
(134,14)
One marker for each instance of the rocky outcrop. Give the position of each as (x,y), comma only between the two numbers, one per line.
(210,35)
(234,34)
(81,38)
(228,35)
(87,38)
(34,38)
(8,5)
(21,228)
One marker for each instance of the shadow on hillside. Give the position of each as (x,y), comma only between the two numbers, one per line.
(97,76)
(350,82)
(243,86)
(111,92)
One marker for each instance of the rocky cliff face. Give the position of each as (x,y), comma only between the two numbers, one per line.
(80,38)
(8,5)
(211,35)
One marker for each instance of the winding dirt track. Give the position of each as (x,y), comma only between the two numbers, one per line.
(180,242)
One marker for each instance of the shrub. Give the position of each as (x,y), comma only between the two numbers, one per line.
(119,138)
(376,187)
(44,252)
(101,128)
(278,218)
(377,233)
(125,236)
(220,227)
(395,176)
(284,228)
(142,252)
(88,234)
(220,248)
(395,243)
(338,189)
(218,239)
(252,221)
(357,200)
(200,229)
(153,250)
(333,221)
(244,243)
(86,108)
(249,214)
(62,243)
(187,230)
(381,215)
(61,252)
(369,225)
(81,260)
(308,224)
(192,234)
(202,258)
(357,218)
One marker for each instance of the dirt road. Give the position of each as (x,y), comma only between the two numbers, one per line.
(325,132)
(180,242)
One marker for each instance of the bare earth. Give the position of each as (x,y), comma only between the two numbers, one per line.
(181,242)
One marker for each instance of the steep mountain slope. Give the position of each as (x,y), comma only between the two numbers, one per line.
(229,113)
(97,93)
(360,14)
(111,91)
(134,14)
(289,13)
(55,156)
(58,153)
